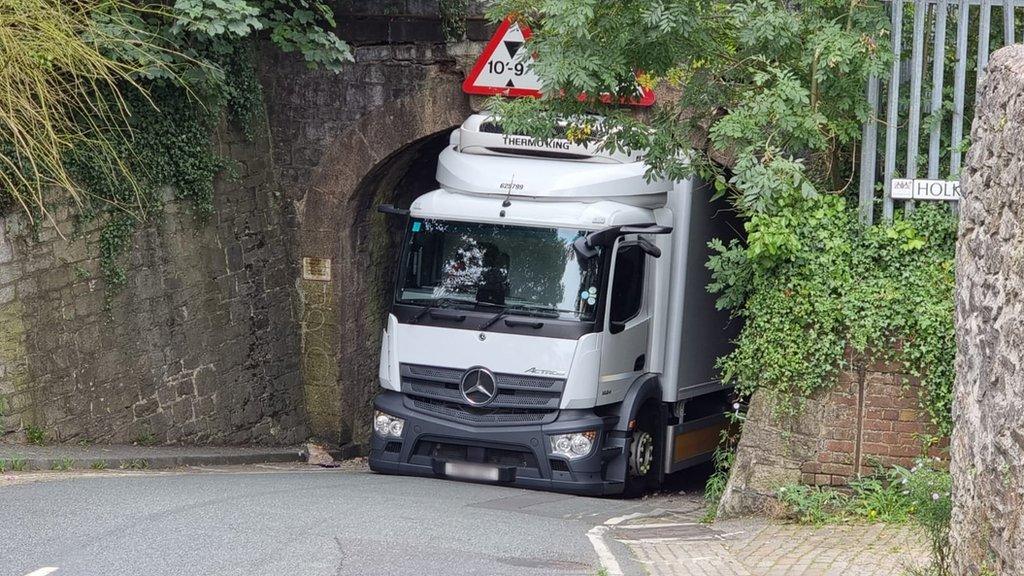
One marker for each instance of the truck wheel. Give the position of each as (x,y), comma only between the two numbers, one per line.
(644,455)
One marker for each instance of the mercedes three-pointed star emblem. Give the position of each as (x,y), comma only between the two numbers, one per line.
(478,386)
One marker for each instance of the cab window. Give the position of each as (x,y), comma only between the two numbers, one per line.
(627,285)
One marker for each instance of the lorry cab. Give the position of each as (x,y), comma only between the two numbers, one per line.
(550,326)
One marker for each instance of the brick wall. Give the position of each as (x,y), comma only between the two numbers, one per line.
(870,417)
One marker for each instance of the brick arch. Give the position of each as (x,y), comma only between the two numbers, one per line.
(386,156)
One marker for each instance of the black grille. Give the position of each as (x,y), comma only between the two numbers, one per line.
(519,398)
(472,415)
(483,454)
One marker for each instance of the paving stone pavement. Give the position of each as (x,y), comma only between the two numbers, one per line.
(678,545)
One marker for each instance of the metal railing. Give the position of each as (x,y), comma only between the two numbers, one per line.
(928,62)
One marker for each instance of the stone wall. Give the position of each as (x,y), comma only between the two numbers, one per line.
(200,346)
(871,417)
(988,409)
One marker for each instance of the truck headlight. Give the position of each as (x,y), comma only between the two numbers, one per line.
(575,445)
(387,425)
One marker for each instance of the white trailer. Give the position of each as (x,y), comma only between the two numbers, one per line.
(551,326)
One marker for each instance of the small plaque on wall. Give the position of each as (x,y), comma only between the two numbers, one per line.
(318,269)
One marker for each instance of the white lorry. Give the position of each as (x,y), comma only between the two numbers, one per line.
(551,326)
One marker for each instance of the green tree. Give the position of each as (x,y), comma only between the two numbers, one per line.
(769,107)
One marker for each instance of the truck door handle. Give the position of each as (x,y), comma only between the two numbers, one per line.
(638,365)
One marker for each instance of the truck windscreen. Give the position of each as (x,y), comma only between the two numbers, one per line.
(468,265)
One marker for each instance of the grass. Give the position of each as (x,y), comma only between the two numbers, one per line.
(898,495)
(62,465)
(61,88)
(147,439)
(19,464)
(134,464)
(98,465)
(3,466)
(35,435)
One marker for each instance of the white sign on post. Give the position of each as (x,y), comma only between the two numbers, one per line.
(921,189)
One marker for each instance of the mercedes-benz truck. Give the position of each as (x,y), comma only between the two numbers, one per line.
(551,326)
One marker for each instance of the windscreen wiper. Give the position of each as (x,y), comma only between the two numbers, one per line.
(519,312)
(504,312)
(433,306)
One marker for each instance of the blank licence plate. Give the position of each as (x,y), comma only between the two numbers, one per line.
(470,471)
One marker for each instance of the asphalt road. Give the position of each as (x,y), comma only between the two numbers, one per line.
(308,521)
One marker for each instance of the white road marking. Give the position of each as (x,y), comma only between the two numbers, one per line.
(655,540)
(664,525)
(43,571)
(621,519)
(604,554)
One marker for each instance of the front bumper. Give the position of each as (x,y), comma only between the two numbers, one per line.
(522,453)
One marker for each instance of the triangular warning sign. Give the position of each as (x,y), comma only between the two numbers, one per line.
(509,72)
(502,67)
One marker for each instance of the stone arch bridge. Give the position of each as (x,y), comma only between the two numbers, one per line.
(342,144)
(264,324)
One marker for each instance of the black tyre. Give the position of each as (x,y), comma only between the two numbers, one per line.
(643,465)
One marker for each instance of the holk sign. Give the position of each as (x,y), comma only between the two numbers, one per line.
(919,189)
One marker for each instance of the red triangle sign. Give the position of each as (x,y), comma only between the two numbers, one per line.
(505,68)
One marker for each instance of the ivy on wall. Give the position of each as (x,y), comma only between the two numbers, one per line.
(810,282)
(129,96)
(169,147)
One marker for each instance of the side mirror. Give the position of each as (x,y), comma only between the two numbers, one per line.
(390,209)
(586,246)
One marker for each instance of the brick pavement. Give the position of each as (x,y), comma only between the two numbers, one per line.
(678,545)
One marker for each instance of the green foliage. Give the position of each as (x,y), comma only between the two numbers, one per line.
(301,26)
(66,68)
(19,464)
(453,19)
(928,488)
(3,466)
(815,504)
(780,88)
(98,465)
(779,92)
(811,282)
(147,439)
(896,495)
(170,146)
(62,464)
(134,464)
(35,435)
(722,461)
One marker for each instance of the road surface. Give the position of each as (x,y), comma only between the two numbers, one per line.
(291,520)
